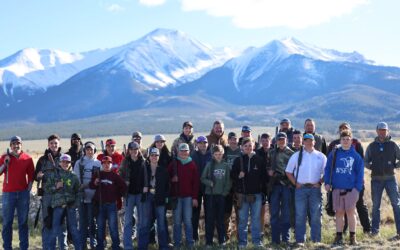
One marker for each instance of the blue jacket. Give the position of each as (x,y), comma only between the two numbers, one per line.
(348,172)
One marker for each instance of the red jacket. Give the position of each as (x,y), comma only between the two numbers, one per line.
(188,179)
(20,172)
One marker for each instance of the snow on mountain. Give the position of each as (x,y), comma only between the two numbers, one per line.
(168,57)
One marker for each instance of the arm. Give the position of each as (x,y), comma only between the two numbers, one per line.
(323,148)
(122,188)
(38,169)
(359,173)
(204,176)
(367,157)
(195,182)
(327,171)
(228,182)
(397,151)
(290,167)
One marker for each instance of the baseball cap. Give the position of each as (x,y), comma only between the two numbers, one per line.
(285,120)
(133,145)
(137,134)
(106,159)
(15,138)
(382,125)
(111,142)
(246,128)
(308,136)
(154,151)
(65,157)
(231,135)
(187,123)
(184,147)
(76,136)
(159,138)
(281,135)
(265,136)
(201,139)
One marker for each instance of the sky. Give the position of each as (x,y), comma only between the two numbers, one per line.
(370,27)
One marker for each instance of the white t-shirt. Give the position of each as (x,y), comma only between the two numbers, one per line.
(311,169)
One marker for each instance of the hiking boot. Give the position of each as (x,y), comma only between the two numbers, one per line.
(338,240)
(395,238)
(353,240)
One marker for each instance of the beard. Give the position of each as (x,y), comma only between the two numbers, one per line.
(76,147)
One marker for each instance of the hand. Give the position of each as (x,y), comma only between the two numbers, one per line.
(96,181)
(30,186)
(145,189)
(298,185)
(59,185)
(40,174)
(195,203)
(241,174)
(7,159)
(317,185)
(175,178)
(271,172)
(327,187)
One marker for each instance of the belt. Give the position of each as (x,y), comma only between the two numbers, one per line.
(309,185)
(342,193)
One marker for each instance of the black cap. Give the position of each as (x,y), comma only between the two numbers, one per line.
(285,120)
(232,134)
(246,128)
(265,136)
(281,135)
(76,136)
(187,123)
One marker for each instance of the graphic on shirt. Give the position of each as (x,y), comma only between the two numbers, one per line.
(348,165)
(219,173)
(106,182)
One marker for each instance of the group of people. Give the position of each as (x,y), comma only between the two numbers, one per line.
(232,178)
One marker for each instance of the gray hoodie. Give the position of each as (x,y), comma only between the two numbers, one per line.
(84,171)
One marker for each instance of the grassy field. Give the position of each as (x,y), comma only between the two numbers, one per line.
(36,147)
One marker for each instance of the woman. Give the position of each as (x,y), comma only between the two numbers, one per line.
(63,186)
(344,173)
(248,175)
(185,137)
(165,155)
(216,178)
(155,193)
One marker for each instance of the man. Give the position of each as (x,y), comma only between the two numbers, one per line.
(362,208)
(184,178)
(18,169)
(216,136)
(320,142)
(280,193)
(246,133)
(382,157)
(297,141)
(286,126)
(185,137)
(307,178)
(85,168)
(45,166)
(112,152)
(76,149)
(201,157)
(232,151)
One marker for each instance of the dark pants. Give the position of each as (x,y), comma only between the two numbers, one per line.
(215,218)
(229,204)
(196,217)
(362,211)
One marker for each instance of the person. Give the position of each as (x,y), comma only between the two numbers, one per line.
(47,164)
(285,126)
(280,192)
(84,168)
(306,175)
(297,141)
(232,151)
(130,172)
(320,142)
(248,175)
(137,137)
(362,209)
(63,186)
(184,178)
(76,149)
(344,173)
(18,169)
(155,194)
(216,136)
(113,153)
(185,137)
(265,153)
(217,181)
(200,157)
(109,188)
(382,157)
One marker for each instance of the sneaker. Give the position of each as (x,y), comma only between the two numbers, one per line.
(395,238)
(374,234)
(299,245)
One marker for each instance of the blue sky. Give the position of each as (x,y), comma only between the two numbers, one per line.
(370,27)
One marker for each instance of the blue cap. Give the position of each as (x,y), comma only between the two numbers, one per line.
(308,136)
(285,120)
(246,128)
(201,139)
(382,125)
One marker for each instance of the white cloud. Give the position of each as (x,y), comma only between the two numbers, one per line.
(115,8)
(251,14)
(152,2)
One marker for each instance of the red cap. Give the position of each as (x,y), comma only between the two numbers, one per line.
(111,142)
(106,159)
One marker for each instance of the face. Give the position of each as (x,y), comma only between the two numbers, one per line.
(107,166)
(248,147)
(134,152)
(160,144)
(285,126)
(76,141)
(218,129)
(54,145)
(309,143)
(382,133)
(187,130)
(233,142)
(281,142)
(110,149)
(16,147)
(218,156)
(64,164)
(202,146)
(89,151)
(297,139)
(154,158)
(246,134)
(309,127)
(265,142)
(345,142)
(184,154)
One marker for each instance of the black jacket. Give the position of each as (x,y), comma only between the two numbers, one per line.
(130,172)
(161,180)
(254,180)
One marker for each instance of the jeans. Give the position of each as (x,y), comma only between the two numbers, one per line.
(280,213)
(308,199)
(107,213)
(255,212)
(15,201)
(87,224)
(183,212)
(59,214)
(392,191)
(131,202)
(215,218)
(196,216)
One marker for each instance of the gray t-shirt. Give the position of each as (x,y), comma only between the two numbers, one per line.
(87,166)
